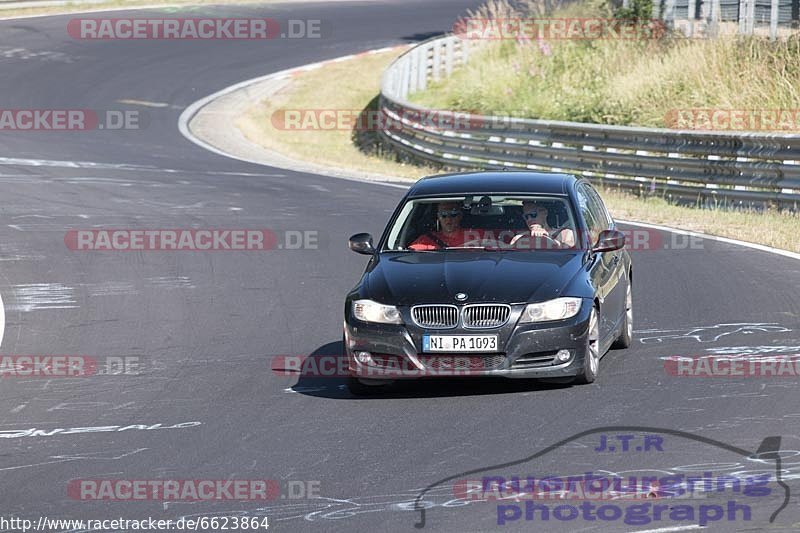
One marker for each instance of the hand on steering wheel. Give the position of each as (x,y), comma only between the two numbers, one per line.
(552,243)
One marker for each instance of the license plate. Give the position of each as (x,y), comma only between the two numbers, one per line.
(459,343)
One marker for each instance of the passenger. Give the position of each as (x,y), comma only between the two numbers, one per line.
(540,234)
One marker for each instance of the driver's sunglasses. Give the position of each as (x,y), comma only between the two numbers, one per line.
(450,214)
(532,214)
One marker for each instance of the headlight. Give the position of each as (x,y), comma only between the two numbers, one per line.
(558,309)
(369,311)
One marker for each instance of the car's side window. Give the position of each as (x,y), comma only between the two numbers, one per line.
(601,207)
(589,215)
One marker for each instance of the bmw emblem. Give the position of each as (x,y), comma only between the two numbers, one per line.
(461,296)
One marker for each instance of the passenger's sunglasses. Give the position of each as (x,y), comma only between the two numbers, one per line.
(450,214)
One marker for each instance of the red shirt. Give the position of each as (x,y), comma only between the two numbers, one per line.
(459,238)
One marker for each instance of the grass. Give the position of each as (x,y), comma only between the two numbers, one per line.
(354,84)
(351,86)
(771,228)
(627,82)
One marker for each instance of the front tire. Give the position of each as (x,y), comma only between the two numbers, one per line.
(591,357)
(626,337)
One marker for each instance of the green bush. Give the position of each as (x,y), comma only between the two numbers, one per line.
(637,10)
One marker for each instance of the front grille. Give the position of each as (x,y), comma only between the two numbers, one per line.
(396,362)
(493,361)
(435,316)
(486,316)
(535,360)
(465,363)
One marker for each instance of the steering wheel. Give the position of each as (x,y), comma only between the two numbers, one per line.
(527,235)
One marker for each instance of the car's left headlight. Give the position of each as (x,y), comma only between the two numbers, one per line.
(369,311)
(558,309)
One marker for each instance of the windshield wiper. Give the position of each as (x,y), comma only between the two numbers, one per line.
(501,249)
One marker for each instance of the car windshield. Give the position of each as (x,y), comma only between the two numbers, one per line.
(491,223)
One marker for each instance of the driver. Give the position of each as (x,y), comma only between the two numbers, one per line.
(450,233)
(540,234)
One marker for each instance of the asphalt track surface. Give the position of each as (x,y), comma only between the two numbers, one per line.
(206,326)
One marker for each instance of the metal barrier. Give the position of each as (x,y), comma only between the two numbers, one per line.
(705,167)
(747,17)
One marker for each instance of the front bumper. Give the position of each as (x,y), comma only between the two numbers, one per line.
(524,350)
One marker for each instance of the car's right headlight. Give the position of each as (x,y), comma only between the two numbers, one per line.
(369,311)
(558,309)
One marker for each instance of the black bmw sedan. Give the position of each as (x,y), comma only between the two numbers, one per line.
(510,274)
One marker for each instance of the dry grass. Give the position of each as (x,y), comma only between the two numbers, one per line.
(351,86)
(770,228)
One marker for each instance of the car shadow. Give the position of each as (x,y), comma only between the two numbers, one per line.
(322,376)
(422,36)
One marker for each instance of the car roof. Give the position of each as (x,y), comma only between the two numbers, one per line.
(493,183)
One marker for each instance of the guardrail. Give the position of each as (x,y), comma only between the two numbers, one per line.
(747,17)
(719,168)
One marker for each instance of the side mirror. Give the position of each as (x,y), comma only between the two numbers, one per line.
(609,240)
(361,243)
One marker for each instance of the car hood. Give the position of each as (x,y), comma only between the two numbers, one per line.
(436,277)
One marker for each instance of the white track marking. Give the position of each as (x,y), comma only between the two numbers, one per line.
(143,103)
(760,247)
(666,529)
(36,296)
(29,162)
